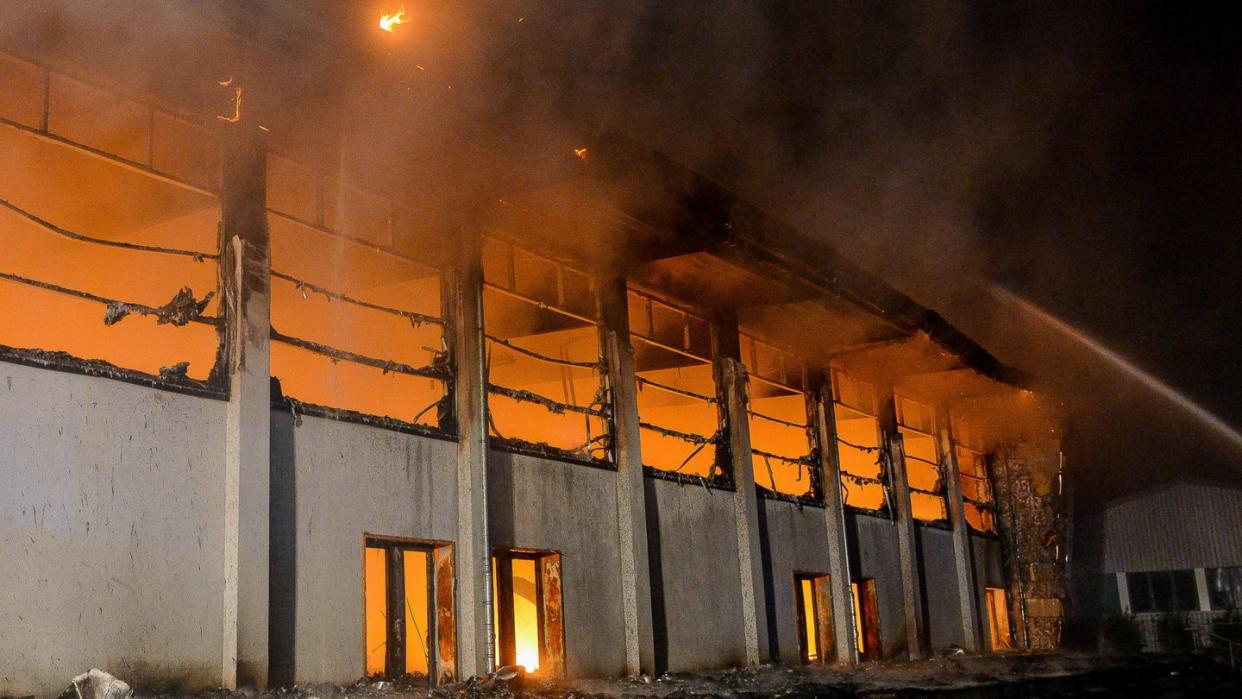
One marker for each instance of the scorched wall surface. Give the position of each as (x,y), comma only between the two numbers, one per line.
(333,481)
(111,532)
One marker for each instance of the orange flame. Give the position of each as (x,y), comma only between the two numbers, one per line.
(581,153)
(388,22)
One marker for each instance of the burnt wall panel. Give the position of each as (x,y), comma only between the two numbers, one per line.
(572,509)
(331,482)
(696,590)
(941,604)
(989,565)
(873,554)
(111,532)
(793,540)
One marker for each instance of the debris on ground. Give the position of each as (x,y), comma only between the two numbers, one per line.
(97,684)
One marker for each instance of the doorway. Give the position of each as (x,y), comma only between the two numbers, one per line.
(530,630)
(867,619)
(813,599)
(998,618)
(408,624)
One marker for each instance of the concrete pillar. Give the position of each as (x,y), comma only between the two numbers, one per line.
(245,269)
(963,555)
(907,551)
(1201,587)
(732,381)
(474,615)
(631,502)
(834,519)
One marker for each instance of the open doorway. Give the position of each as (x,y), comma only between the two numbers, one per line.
(526,587)
(408,609)
(815,624)
(867,619)
(998,618)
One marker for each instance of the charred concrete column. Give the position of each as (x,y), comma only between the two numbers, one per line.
(834,519)
(733,388)
(907,544)
(631,502)
(474,611)
(245,272)
(963,556)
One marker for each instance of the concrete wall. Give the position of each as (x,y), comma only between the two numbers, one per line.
(695,584)
(873,554)
(572,509)
(793,541)
(111,532)
(942,608)
(989,566)
(331,482)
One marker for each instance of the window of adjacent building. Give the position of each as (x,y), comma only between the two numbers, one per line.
(526,589)
(678,401)
(858,441)
(1224,587)
(977,498)
(545,368)
(357,326)
(1163,591)
(815,624)
(408,608)
(780,436)
(917,424)
(108,214)
(998,618)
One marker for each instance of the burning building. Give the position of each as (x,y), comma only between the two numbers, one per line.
(271,417)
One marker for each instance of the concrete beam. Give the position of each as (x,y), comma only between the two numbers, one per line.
(963,553)
(732,381)
(631,501)
(834,520)
(474,611)
(907,543)
(245,273)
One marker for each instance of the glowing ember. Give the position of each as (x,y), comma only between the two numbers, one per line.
(388,22)
(581,153)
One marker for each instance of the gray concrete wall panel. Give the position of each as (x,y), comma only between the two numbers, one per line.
(111,532)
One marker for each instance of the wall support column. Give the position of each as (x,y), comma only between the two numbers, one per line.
(963,554)
(907,542)
(834,520)
(631,501)
(245,273)
(732,381)
(474,604)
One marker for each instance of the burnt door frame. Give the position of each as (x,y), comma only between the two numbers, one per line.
(551,662)
(394,597)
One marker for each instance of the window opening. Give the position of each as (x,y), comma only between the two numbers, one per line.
(977,497)
(356,326)
(1224,587)
(782,447)
(1163,591)
(916,422)
(866,618)
(546,375)
(526,587)
(109,220)
(679,408)
(815,623)
(407,601)
(998,618)
(858,443)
